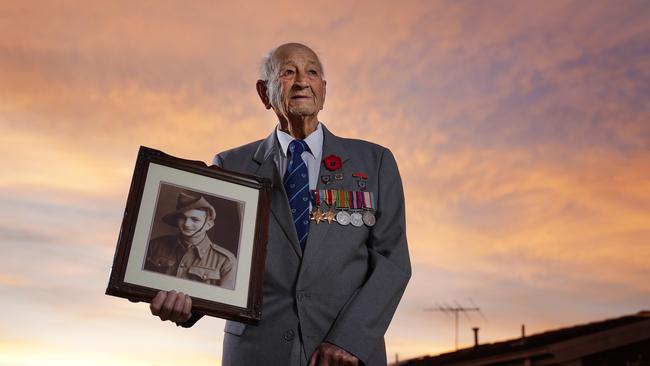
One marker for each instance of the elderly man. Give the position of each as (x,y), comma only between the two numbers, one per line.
(337,260)
(191,254)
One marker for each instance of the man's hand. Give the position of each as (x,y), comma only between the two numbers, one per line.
(328,354)
(173,306)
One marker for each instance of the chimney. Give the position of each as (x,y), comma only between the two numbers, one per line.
(523,331)
(475,329)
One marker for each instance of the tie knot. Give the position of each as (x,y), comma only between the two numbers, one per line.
(297,147)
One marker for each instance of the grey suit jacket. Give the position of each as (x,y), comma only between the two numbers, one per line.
(345,287)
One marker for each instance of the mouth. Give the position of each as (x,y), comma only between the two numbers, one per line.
(300,97)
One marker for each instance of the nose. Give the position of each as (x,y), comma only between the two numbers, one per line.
(301,79)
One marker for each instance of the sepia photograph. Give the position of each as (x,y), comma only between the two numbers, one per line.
(195,236)
(196,229)
(359,183)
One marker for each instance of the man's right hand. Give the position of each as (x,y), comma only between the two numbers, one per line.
(173,306)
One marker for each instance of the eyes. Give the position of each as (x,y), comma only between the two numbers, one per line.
(290,72)
(192,219)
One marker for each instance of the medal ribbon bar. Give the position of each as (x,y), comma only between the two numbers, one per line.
(341,199)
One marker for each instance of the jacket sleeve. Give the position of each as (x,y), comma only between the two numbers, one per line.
(362,323)
(228,275)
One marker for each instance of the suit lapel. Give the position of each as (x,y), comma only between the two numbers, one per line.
(266,156)
(332,145)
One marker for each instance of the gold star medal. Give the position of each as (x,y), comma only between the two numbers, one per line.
(330,216)
(317,216)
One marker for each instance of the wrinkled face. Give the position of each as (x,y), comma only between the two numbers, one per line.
(193,222)
(298,86)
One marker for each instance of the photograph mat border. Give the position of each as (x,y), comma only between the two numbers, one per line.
(134,273)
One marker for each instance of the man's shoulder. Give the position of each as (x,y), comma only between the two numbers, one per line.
(358,144)
(365,151)
(370,155)
(223,251)
(165,239)
(238,153)
(162,244)
(243,150)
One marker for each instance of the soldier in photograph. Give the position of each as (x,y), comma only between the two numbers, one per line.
(191,254)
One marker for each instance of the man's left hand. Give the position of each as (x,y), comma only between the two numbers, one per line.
(328,354)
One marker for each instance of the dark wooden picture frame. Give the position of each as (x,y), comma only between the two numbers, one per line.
(156,172)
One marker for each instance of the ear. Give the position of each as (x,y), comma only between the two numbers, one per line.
(262,88)
(324,93)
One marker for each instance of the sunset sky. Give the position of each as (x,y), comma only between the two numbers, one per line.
(521,130)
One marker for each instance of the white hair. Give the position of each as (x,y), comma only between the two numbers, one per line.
(269,73)
(268,67)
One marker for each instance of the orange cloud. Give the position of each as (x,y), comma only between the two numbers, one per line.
(511,206)
(11,280)
(520,130)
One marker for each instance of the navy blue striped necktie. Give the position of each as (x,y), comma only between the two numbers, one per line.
(296,183)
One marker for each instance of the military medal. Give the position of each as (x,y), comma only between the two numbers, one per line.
(342,203)
(368,203)
(328,197)
(356,219)
(329,216)
(338,176)
(343,218)
(354,207)
(317,216)
(369,218)
(326,178)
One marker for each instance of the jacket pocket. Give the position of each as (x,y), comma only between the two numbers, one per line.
(234,327)
(204,274)
(161,264)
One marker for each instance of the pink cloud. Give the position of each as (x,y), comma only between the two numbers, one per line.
(519,129)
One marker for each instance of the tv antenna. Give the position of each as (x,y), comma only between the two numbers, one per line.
(455,310)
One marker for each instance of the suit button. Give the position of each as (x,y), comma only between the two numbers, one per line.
(289,335)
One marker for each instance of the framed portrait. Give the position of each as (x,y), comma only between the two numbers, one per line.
(197,229)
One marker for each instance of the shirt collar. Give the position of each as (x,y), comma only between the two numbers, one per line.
(314,141)
(203,247)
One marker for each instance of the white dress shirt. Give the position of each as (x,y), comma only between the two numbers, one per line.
(311,158)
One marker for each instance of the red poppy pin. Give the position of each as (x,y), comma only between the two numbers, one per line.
(333,162)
